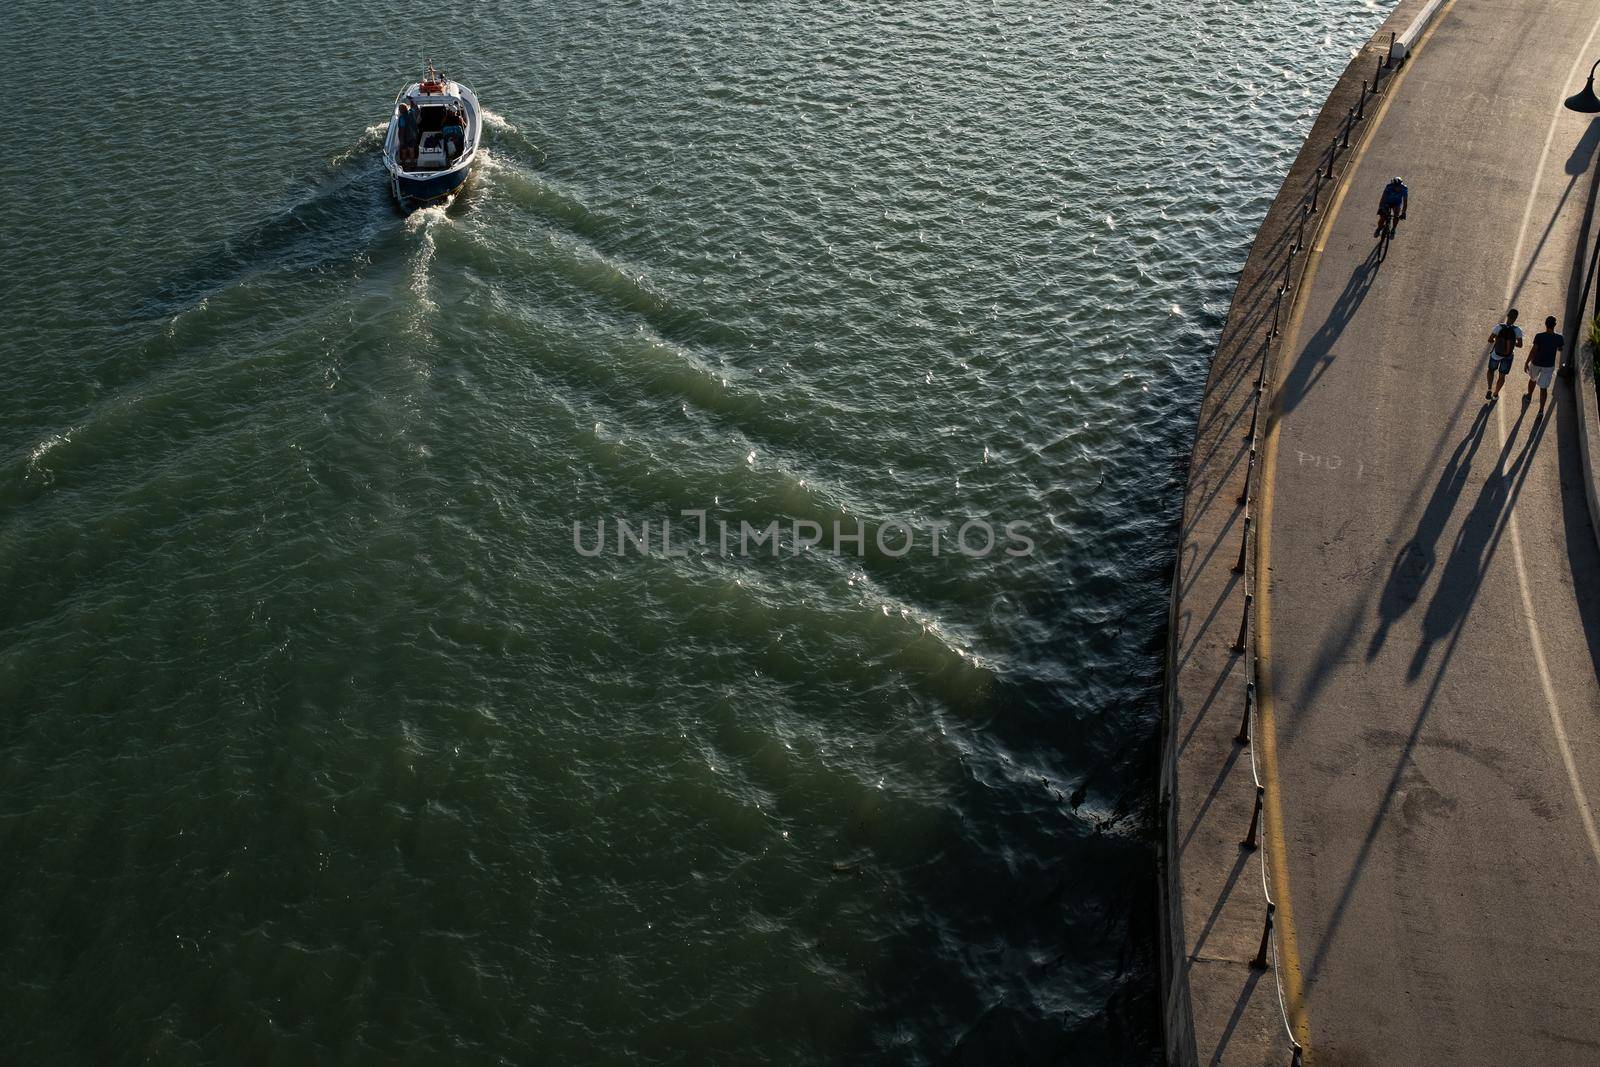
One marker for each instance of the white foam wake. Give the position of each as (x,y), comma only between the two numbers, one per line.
(497,120)
(369,139)
(424,219)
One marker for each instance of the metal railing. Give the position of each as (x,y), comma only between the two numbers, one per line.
(1246,643)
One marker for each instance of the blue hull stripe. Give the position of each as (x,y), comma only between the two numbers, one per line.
(430,188)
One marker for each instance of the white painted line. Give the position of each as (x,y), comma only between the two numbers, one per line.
(1556,723)
(1554,708)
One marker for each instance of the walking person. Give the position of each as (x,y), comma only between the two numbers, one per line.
(1542,360)
(1505,338)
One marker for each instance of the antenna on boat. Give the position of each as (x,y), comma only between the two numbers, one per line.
(432,81)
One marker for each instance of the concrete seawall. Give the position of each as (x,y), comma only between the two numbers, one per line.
(1218,1008)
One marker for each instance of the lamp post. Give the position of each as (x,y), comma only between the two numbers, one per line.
(1585,101)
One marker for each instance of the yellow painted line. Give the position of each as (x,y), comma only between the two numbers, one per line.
(1557,723)
(1292,975)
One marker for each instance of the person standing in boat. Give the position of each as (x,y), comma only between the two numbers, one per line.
(406,135)
(454,133)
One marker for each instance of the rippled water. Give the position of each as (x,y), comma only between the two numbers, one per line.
(320,741)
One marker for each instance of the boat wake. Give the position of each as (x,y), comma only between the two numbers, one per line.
(424,221)
(493,118)
(369,140)
(534,192)
(501,134)
(339,212)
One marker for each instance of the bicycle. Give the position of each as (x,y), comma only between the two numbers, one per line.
(1388,221)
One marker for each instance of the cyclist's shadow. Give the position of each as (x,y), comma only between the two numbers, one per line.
(1317,354)
(1381,249)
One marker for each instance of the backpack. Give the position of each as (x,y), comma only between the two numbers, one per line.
(1505,341)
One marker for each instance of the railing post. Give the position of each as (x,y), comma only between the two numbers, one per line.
(1255,410)
(1243,737)
(1389,55)
(1249,475)
(1361,102)
(1349,123)
(1296,1058)
(1255,821)
(1300,234)
(1244,623)
(1260,962)
(1244,545)
(1316,190)
(1376,75)
(1277,300)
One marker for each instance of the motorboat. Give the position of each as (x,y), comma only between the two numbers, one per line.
(432,140)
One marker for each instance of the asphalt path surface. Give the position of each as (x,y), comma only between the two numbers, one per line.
(1434,579)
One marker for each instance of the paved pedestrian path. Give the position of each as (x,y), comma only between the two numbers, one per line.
(1431,624)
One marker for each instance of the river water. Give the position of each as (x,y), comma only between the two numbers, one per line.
(326,736)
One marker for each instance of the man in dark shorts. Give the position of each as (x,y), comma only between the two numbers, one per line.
(1542,360)
(1504,340)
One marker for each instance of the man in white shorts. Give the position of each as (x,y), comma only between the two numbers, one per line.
(1542,360)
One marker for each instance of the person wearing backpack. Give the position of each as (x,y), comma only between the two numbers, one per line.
(1505,339)
(1540,366)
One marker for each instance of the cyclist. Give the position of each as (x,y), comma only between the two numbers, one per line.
(1392,205)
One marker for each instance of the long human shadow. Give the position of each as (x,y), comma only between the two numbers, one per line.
(1393,602)
(1470,557)
(1414,562)
(1463,573)
(1501,499)
(1330,652)
(1318,355)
